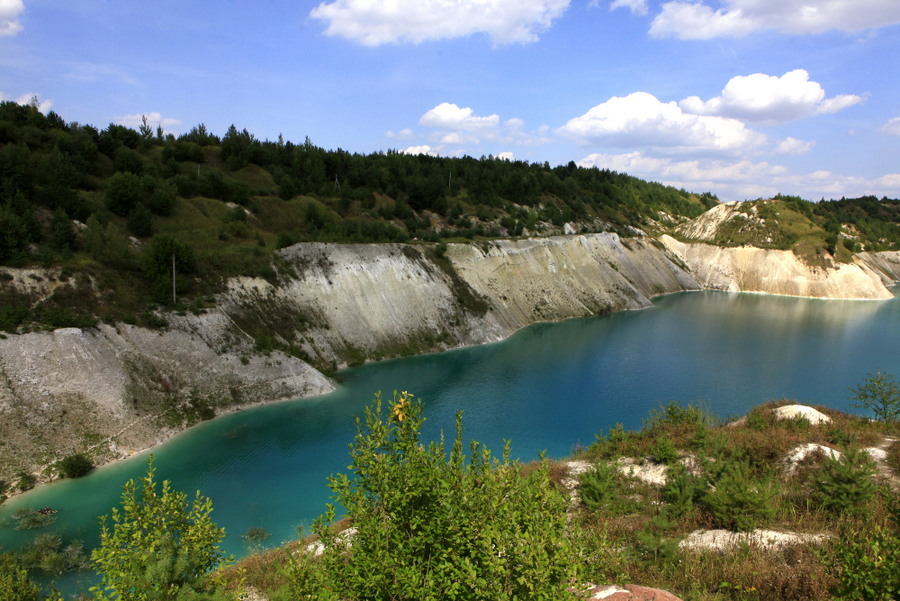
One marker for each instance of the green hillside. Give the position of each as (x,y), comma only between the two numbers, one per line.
(109,208)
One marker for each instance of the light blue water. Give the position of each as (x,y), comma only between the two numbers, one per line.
(548,387)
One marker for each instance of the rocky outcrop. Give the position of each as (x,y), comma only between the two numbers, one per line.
(105,388)
(750,269)
(707,227)
(768,540)
(886,264)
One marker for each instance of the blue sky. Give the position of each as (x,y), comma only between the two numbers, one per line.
(743,98)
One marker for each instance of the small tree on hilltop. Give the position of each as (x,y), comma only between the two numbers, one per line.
(158,548)
(880,394)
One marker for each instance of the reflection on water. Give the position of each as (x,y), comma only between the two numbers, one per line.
(548,387)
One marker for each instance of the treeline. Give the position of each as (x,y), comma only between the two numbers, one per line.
(81,171)
(876,221)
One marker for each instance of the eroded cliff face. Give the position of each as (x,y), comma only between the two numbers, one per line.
(371,301)
(749,269)
(115,389)
(111,391)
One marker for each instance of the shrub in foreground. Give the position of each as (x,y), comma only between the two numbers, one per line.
(157,548)
(868,567)
(432,526)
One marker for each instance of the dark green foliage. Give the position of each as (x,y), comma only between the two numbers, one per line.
(14,581)
(140,221)
(159,546)
(664,451)
(46,553)
(845,485)
(33,521)
(160,199)
(597,486)
(673,413)
(14,235)
(740,500)
(157,259)
(867,568)
(26,481)
(879,394)
(756,420)
(682,491)
(123,193)
(256,535)
(653,545)
(430,526)
(62,232)
(75,466)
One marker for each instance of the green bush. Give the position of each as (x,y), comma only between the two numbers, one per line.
(45,552)
(740,501)
(868,567)
(75,466)
(598,486)
(673,413)
(429,526)
(157,548)
(664,451)
(682,490)
(26,481)
(845,485)
(14,580)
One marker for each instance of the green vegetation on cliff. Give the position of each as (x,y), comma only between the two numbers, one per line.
(109,208)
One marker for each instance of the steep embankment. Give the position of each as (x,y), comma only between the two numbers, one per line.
(113,389)
(749,269)
(771,246)
(370,301)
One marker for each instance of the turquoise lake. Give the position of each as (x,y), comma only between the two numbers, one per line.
(549,387)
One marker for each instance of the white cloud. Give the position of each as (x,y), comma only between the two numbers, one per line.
(792,147)
(506,156)
(425,149)
(638,7)
(740,180)
(462,122)
(153,119)
(10,11)
(461,126)
(695,20)
(403,134)
(377,22)
(769,99)
(640,120)
(891,127)
(42,105)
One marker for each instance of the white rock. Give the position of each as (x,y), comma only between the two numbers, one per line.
(722,540)
(803,451)
(811,415)
(877,454)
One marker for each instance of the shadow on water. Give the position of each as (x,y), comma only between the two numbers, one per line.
(548,387)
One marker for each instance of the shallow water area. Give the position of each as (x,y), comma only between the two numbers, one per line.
(549,387)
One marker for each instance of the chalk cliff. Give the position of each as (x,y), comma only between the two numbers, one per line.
(114,389)
(749,269)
